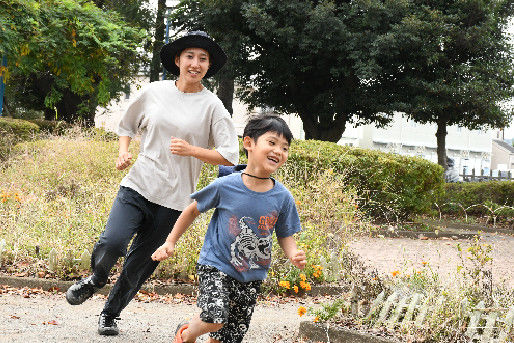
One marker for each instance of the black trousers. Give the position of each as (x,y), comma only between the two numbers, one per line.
(131,214)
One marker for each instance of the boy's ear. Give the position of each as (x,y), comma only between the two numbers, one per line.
(177,60)
(247,142)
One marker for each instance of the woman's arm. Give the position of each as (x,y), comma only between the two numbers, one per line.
(182,148)
(124,156)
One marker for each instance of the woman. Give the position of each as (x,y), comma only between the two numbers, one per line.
(180,121)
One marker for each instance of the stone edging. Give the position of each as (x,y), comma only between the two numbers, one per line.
(62,286)
(318,333)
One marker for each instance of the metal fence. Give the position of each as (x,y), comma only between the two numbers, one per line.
(476,176)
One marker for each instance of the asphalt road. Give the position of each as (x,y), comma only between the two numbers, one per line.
(49,318)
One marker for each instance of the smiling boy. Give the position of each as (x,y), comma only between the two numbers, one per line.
(236,254)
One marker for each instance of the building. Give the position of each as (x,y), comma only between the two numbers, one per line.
(468,148)
(502,155)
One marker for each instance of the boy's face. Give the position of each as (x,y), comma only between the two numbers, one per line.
(270,151)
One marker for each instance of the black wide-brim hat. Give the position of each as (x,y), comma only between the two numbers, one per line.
(193,39)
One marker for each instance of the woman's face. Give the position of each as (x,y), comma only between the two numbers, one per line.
(193,64)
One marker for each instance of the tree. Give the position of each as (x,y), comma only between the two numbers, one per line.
(223,21)
(317,59)
(457,64)
(75,57)
(155,66)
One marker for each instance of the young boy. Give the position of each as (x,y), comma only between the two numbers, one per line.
(236,254)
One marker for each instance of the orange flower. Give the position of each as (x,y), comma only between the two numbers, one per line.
(284,283)
(303,277)
(303,284)
(396,272)
(424,263)
(295,288)
(301,311)
(308,287)
(316,319)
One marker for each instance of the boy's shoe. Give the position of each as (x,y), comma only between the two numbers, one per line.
(107,325)
(178,333)
(81,291)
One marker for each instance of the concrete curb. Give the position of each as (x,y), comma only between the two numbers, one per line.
(423,234)
(467,227)
(53,284)
(60,285)
(318,333)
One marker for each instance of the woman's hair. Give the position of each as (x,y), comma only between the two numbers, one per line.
(260,124)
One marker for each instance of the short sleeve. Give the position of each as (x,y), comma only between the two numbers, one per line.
(224,137)
(208,197)
(134,117)
(288,222)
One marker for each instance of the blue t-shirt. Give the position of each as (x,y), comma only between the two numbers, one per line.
(239,237)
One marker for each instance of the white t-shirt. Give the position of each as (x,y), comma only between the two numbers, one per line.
(160,112)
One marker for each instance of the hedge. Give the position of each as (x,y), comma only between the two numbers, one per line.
(18,127)
(491,194)
(13,131)
(390,186)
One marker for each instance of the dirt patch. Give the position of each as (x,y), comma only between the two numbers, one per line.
(388,255)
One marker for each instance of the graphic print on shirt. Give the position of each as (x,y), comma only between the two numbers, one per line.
(250,250)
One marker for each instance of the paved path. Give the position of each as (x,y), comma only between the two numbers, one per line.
(402,254)
(48,318)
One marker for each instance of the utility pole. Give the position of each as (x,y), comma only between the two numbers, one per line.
(3,69)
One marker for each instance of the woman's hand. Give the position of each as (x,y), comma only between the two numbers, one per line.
(163,252)
(181,147)
(124,160)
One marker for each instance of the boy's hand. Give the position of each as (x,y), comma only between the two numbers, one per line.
(123,160)
(180,147)
(299,259)
(163,252)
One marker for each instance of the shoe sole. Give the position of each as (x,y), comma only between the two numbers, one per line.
(72,300)
(108,332)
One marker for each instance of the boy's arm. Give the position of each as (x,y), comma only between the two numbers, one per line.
(124,156)
(297,257)
(185,219)
(182,148)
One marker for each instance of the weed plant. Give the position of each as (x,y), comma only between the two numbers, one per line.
(58,192)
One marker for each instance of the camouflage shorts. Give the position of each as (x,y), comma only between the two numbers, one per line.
(226,300)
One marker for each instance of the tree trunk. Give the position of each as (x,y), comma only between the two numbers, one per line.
(155,66)
(441,143)
(330,131)
(226,92)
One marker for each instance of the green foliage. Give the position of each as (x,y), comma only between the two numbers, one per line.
(56,127)
(478,198)
(13,131)
(21,128)
(388,185)
(75,57)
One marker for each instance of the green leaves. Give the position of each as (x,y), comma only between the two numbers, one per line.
(73,47)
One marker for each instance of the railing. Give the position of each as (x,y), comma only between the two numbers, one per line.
(474,176)
(486,325)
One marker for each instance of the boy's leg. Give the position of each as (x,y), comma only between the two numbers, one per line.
(243,300)
(138,264)
(123,222)
(198,327)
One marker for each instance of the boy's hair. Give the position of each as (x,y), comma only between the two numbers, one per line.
(260,124)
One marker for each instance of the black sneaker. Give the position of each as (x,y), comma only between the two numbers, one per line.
(81,291)
(107,325)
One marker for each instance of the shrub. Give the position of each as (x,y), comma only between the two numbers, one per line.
(54,127)
(478,198)
(389,186)
(13,131)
